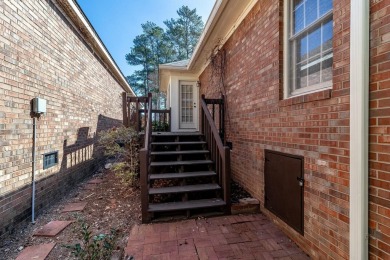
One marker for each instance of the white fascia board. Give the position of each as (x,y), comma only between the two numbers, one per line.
(100,45)
(167,67)
(359,93)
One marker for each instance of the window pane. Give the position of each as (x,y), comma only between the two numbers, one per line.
(325,6)
(297,2)
(298,19)
(314,72)
(302,48)
(315,42)
(311,11)
(327,68)
(301,80)
(327,35)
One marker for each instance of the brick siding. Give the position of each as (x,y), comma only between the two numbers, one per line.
(42,55)
(315,126)
(379,196)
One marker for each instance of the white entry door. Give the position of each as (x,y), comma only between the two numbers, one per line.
(188,105)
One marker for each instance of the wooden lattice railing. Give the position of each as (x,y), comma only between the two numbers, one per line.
(135,110)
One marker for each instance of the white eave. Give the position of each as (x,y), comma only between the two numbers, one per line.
(77,18)
(176,65)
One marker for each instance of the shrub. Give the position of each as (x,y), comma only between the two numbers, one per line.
(123,144)
(158,126)
(96,247)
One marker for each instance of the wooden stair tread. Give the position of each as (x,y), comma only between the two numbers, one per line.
(176,134)
(179,152)
(179,143)
(185,205)
(185,188)
(181,175)
(170,163)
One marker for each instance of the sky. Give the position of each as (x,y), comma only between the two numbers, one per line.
(118,22)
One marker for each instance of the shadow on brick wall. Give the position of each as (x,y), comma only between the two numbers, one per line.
(80,160)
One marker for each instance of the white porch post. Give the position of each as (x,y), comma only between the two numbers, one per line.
(359,93)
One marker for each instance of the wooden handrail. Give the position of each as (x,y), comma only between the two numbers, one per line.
(219,153)
(213,128)
(220,103)
(145,162)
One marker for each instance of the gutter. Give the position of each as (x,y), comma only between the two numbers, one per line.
(359,108)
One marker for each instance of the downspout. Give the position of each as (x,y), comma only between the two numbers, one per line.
(359,108)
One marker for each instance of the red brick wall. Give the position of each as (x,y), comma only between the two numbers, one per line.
(315,126)
(42,55)
(379,210)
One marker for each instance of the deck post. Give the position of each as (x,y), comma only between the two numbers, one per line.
(137,116)
(169,119)
(124,109)
(143,154)
(226,180)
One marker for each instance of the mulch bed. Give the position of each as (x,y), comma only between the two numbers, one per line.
(110,204)
(238,192)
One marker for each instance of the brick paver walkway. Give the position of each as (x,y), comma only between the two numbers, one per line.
(226,237)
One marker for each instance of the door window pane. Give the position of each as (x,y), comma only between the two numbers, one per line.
(186,103)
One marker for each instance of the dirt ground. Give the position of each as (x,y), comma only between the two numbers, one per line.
(110,204)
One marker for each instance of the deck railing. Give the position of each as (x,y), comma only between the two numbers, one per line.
(219,153)
(145,162)
(135,110)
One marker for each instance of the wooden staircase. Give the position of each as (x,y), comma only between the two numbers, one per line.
(182,180)
(184,174)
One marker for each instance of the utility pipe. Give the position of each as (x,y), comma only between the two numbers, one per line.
(33,170)
(359,93)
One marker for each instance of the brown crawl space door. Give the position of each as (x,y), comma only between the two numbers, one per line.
(283,177)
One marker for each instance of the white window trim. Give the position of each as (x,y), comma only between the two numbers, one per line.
(286,57)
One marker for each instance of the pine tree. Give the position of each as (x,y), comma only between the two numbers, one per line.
(184,32)
(156,46)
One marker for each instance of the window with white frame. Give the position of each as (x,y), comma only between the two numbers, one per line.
(309,53)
